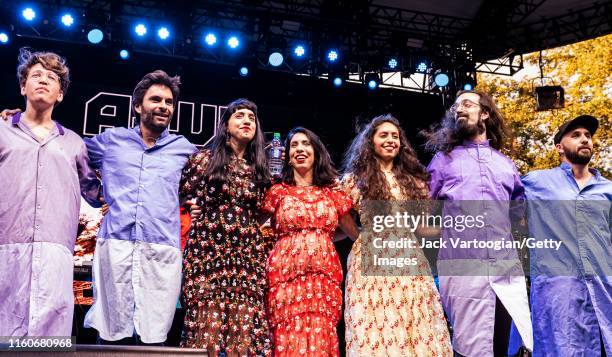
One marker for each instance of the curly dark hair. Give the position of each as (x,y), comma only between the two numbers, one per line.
(221,152)
(361,161)
(50,61)
(445,137)
(324,172)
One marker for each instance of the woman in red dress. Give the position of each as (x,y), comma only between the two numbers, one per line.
(303,271)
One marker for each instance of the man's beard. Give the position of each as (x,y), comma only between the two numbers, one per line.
(467,131)
(147,120)
(575,157)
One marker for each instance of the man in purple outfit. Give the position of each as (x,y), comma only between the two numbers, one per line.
(469,173)
(44,169)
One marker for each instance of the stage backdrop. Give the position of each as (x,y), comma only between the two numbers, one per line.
(99,97)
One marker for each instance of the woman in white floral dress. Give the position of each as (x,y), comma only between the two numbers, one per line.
(393,311)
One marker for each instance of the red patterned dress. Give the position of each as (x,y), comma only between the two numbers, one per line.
(224,284)
(303,271)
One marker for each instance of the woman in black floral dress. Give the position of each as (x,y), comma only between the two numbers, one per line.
(224,285)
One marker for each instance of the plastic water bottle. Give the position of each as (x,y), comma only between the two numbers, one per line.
(275,152)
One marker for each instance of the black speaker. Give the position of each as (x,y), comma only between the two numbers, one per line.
(549,97)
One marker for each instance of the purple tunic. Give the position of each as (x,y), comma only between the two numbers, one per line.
(478,178)
(40,186)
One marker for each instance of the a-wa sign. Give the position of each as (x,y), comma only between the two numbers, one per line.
(196,121)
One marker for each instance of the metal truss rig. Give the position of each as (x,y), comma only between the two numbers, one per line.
(364,33)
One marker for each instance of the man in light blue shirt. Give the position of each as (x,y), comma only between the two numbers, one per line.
(571,287)
(137,261)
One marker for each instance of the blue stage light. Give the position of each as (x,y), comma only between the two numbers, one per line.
(422,67)
(124,54)
(28,13)
(95,36)
(372,84)
(392,63)
(299,51)
(337,81)
(468,86)
(67,20)
(233,42)
(163,33)
(210,39)
(332,55)
(4,38)
(441,79)
(244,71)
(275,59)
(140,29)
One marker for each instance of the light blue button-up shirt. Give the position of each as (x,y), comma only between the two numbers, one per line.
(137,261)
(140,184)
(571,288)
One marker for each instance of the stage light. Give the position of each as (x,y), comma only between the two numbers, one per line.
(337,81)
(95,36)
(67,20)
(332,55)
(244,71)
(163,33)
(422,67)
(468,82)
(441,79)
(140,30)
(124,54)
(392,63)
(210,39)
(299,51)
(275,59)
(4,37)
(372,80)
(233,42)
(28,13)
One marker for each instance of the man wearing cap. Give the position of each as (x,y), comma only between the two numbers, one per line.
(571,287)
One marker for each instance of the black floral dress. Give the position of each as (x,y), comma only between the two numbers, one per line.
(224,286)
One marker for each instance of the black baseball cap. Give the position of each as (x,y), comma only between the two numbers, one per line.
(588,122)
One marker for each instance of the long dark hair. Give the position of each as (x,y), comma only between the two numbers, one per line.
(445,136)
(221,151)
(361,161)
(324,173)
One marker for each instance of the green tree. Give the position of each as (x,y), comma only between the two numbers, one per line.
(583,69)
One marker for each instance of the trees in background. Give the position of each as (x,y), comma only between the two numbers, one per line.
(584,70)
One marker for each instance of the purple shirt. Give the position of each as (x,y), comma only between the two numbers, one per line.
(476,179)
(40,186)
